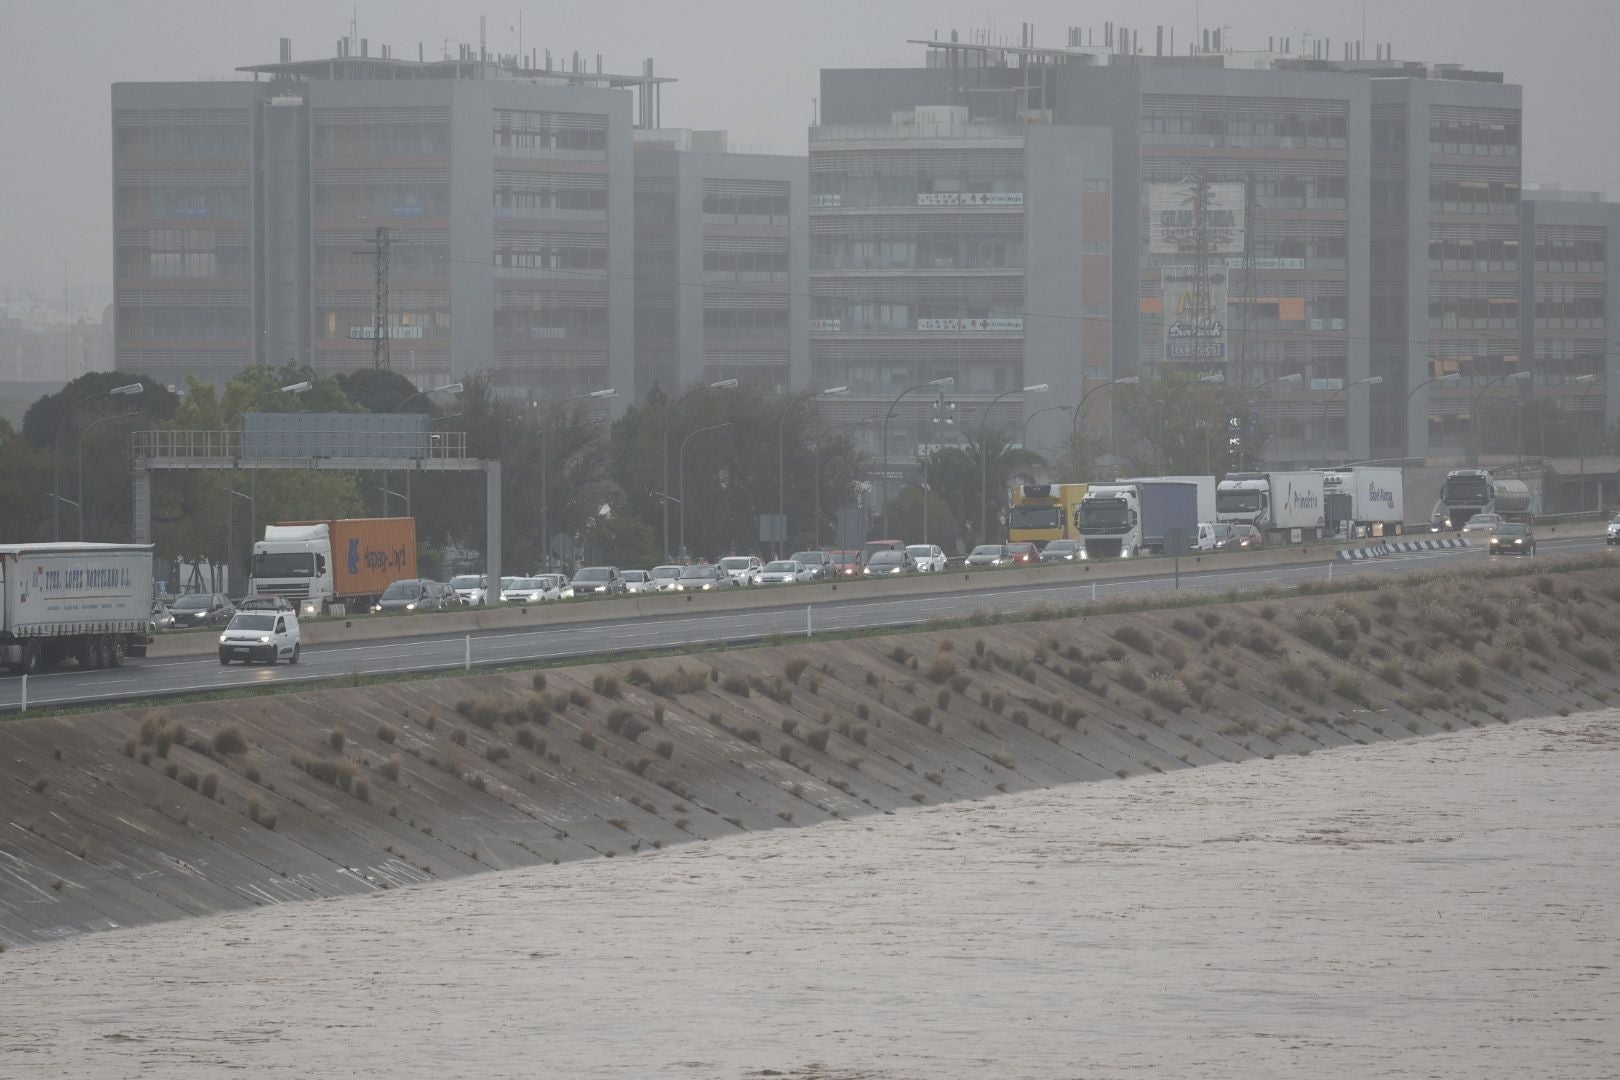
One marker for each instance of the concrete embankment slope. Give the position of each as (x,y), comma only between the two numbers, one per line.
(120,818)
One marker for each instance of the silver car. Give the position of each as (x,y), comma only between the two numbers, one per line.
(637,581)
(786,572)
(665,578)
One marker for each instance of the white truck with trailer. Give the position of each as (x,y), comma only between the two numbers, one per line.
(90,603)
(1276,503)
(1364,501)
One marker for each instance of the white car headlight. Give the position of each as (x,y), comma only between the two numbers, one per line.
(222,639)
(410,607)
(264,639)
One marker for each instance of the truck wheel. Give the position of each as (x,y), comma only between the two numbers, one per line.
(293,659)
(115,653)
(87,654)
(32,662)
(101,648)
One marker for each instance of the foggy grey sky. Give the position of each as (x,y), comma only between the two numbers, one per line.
(744,65)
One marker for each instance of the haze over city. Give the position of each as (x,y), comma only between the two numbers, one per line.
(748,68)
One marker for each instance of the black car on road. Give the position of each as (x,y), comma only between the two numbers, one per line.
(1512,538)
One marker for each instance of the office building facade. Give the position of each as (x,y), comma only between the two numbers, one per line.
(722,256)
(249,217)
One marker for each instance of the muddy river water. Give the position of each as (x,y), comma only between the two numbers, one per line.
(1432,908)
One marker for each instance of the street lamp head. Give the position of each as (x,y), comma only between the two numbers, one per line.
(1129,380)
(295,388)
(1371,380)
(449,388)
(1038,388)
(723,384)
(125,391)
(1586,378)
(1453,376)
(831,390)
(1521,374)
(609,392)
(949,380)
(1297,376)
(1217,377)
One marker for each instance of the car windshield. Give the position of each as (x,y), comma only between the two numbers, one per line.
(402,590)
(548,581)
(253,622)
(809,558)
(1237,502)
(883,558)
(592,573)
(634,575)
(919,551)
(736,562)
(194,602)
(987,550)
(844,558)
(466,581)
(1512,530)
(284,564)
(1058,547)
(781,567)
(699,572)
(664,573)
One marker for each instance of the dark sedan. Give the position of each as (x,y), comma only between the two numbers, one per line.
(1512,539)
(202,609)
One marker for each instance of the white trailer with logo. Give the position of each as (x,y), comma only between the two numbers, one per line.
(1279,504)
(91,603)
(1364,501)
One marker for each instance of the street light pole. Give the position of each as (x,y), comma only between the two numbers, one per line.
(253,475)
(984,466)
(1406,441)
(56,448)
(781,437)
(1592,381)
(80,488)
(230,553)
(816,453)
(680,469)
(545,498)
(447,388)
(946,382)
(1080,409)
(1474,412)
(1370,380)
(669,416)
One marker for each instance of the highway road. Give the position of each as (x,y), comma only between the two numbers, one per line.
(434,652)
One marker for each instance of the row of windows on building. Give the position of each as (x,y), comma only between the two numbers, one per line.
(1491,138)
(745,265)
(1276,128)
(1572,256)
(535,201)
(965,253)
(382,140)
(1473,197)
(928,315)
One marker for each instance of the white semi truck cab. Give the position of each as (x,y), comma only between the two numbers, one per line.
(1110,520)
(295,562)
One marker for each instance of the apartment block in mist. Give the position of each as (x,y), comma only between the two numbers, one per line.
(956,232)
(1328,228)
(247,217)
(722,258)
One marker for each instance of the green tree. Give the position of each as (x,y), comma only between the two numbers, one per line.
(1174,425)
(730,474)
(24,489)
(195,516)
(907,520)
(973,476)
(379,390)
(154,403)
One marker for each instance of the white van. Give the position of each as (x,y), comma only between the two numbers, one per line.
(1211,535)
(260,637)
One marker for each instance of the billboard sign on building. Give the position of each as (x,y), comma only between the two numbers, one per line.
(1174,224)
(1194,316)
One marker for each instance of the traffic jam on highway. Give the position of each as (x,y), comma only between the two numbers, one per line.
(92,605)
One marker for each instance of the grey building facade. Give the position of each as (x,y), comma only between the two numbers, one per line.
(248,213)
(722,257)
(956,233)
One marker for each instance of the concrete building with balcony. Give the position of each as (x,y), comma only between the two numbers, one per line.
(1348,224)
(249,215)
(956,232)
(722,263)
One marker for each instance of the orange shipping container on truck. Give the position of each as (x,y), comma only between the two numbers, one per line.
(369,553)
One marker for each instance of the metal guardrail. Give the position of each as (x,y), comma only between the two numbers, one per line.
(229,444)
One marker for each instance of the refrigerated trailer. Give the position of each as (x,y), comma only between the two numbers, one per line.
(89,603)
(315,565)
(1364,500)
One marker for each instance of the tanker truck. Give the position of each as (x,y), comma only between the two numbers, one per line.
(1467,492)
